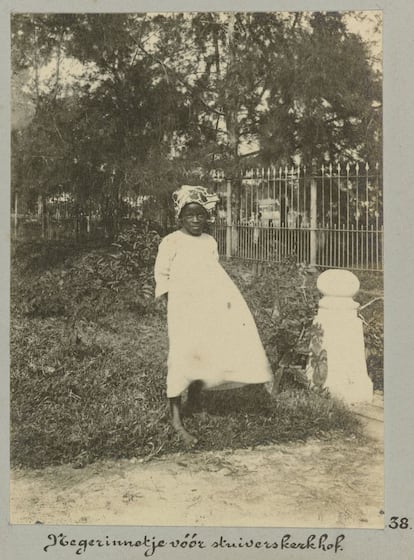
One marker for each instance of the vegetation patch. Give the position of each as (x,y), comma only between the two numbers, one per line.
(89,349)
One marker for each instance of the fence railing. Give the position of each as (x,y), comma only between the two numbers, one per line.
(335,248)
(61,218)
(328,217)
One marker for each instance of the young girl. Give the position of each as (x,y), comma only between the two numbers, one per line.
(213,339)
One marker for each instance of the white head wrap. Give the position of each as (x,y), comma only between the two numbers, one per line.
(188,193)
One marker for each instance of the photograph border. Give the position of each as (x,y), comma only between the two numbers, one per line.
(19,541)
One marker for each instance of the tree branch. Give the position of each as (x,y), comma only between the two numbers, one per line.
(179,79)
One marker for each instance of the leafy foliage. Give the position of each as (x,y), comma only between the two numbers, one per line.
(327,98)
(84,287)
(372,316)
(160,96)
(318,357)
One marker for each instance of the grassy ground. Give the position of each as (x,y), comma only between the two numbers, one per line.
(88,372)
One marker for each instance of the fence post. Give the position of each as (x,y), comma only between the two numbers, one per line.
(228,221)
(313,218)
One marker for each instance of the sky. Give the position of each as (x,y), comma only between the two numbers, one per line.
(368,32)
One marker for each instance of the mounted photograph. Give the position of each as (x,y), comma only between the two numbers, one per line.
(197,299)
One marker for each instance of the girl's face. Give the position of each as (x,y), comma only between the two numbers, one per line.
(193,218)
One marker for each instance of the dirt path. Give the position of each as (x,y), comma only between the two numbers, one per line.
(317,484)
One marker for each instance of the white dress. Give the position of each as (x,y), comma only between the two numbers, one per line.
(212,334)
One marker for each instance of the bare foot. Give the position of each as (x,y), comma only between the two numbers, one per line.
(175,405)
(186,437)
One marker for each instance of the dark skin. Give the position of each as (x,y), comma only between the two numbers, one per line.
(193,219)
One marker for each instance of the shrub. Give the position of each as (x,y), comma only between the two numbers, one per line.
(83,286)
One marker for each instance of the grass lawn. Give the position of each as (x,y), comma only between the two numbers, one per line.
(88,373)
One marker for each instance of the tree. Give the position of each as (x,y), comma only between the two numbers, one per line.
(166,98)
(292,85)
(37,151)
(92,140)
(218,62)
(326,98)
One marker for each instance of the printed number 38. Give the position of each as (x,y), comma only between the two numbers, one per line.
(398,523)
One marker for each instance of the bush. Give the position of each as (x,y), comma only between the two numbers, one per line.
(371,313)
(83,286)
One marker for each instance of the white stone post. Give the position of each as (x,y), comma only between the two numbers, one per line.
(337,350)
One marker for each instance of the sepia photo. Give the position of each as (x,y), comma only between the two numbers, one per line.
(197,259)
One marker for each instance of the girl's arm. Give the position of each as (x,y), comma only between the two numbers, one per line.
(215,249)
(162,268)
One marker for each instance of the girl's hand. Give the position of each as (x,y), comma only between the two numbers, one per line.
(162,302)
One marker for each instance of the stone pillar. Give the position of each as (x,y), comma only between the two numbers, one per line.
(337,351)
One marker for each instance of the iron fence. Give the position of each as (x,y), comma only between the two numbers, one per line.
(328,217)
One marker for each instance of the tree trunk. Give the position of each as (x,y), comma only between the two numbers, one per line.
(231,110)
